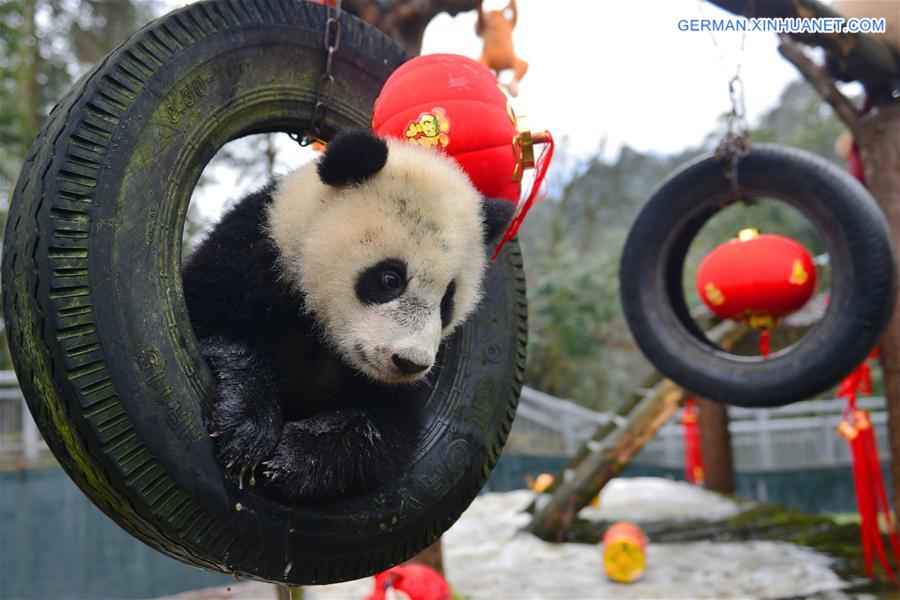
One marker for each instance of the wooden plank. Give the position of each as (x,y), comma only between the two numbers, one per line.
(617,449)
(613,447)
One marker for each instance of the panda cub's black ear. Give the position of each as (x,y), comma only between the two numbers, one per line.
(496,215)
(352,157)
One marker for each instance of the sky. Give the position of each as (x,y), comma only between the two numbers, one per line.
(619,71)
(622,70)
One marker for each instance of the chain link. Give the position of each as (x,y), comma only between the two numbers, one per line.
(735,143)
(325,87)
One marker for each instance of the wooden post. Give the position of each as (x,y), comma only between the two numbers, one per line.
(715,447)
(432,556)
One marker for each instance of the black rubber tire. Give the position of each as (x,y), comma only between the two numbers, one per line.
(862,293)
(99,332)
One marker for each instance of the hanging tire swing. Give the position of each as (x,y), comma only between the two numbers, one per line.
(862,292)
(100,335)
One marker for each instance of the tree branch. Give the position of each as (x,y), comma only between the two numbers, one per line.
(821,82)
(405,20)
(850,56)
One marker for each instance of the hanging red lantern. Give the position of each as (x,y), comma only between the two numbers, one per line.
(454,104)
(756,278)
(416,582)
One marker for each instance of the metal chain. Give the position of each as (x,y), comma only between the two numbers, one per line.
(325,87)
(735,144)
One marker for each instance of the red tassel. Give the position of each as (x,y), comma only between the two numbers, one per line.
(540,172)
(871,495)
(764,343)
(857,382)
(693,457)
(854,164)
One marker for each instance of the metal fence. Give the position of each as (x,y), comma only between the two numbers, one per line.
(788,438)
(19,436)
(798,436)
(546,424)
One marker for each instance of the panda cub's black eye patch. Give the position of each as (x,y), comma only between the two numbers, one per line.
(447,305)
(382,282)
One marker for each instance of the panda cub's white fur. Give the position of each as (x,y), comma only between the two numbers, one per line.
(420,209)
(314,292)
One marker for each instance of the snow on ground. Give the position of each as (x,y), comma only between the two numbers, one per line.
(486,557)
(645,499)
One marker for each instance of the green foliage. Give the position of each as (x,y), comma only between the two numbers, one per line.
(580,347)
(45,45)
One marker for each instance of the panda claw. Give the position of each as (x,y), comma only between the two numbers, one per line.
(215,434)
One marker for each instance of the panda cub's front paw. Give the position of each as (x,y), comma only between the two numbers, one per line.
(331,454)
(243,443)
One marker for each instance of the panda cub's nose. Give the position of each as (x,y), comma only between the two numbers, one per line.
(407,367)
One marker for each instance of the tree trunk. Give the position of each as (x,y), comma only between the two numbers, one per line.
(877,134)
(406,20)
(856,56)
(288,592)
(715,447)
(271,154)
(878,137)
(432,556)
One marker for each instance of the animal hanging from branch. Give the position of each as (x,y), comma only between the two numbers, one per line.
(496,27)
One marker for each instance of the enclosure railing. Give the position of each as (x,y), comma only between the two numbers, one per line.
(794,437)
(552,424)
(19,436)
(798,436)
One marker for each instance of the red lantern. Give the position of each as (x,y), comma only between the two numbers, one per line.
(416,581)
(454,104)
(756,278)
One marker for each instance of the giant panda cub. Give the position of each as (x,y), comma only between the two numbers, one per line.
(320,302)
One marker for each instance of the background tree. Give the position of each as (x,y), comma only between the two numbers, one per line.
(45,45)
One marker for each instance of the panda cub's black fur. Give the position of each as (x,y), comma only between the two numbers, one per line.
(309,404)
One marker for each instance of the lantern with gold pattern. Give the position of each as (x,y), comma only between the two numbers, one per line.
(756,278)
